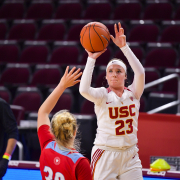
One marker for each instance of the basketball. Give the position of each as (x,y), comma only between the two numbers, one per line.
(95,36)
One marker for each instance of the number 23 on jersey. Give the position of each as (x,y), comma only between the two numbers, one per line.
(122,112)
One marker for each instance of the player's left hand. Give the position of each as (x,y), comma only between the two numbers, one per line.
(3,167)
(70,78)
(120,38)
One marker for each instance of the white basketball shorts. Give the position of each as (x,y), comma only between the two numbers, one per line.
(113,164)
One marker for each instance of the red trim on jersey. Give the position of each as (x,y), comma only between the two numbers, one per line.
(95,158)
(127,89)
(71,152)
(108,89)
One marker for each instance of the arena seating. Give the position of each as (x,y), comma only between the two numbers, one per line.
(127,10)
(158,11)
(40,10)
(39,38)
(34,52)
(69,10)
(46,76)
(15,74)
(66,101)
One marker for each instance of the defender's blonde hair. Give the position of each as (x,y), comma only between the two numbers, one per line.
(63,126)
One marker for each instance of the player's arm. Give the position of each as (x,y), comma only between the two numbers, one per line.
(10,126)
(69,79)
(139,75)
(92,94)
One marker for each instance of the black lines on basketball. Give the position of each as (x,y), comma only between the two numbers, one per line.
(83,35)
(104,30)
(105,38)
(98,35)
(90,37)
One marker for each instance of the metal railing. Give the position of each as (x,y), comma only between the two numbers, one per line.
(171,104)
(20,146)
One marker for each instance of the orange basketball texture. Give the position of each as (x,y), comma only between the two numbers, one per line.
(95,36)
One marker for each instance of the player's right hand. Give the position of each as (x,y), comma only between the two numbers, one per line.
(96,54)
(3,167)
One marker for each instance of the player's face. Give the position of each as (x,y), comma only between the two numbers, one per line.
(115,76)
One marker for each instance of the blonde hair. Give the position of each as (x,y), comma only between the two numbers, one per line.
(63,126)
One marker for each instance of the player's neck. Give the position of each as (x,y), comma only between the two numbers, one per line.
(119,91)
(69,146)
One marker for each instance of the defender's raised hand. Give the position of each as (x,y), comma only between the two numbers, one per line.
(70,78)
(120,38)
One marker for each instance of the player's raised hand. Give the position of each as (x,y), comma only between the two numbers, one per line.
(120,38)
(96,54)
(70,78)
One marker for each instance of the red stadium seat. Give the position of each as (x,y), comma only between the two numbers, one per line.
(127,10)
(29,98)
(3,29)
(9,52)
(22,30)
(170,33)
(18,112)
(87,107)
(161,10)
(65,54)
(102,10)
(66,101)
(5,94)
(15,74)
(46,75)
(101,80)
(12,10)
(69,10)
(160,56)
(40,10)
(143,31)
(34,53)
(52,30)
(75,29)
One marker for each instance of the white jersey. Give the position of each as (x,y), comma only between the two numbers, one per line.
(117,119)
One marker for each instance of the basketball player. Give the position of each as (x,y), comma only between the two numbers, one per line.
(59,159)
(8,135)
(115,154)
